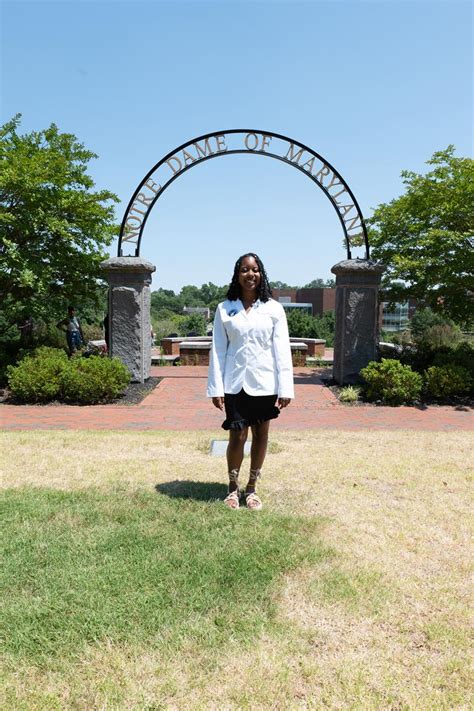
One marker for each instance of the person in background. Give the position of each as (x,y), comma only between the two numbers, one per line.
(250,370)
(105,324)
(26,326)
(73,330)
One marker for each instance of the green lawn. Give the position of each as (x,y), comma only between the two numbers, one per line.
(143,568)
(128,585)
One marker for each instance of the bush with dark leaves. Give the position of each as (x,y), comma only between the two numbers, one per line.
(447,380)
(37,377)
(94,379)
(391,382)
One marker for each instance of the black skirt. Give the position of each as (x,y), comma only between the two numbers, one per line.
(244,410)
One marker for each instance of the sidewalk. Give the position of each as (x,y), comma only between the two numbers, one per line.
(179,403)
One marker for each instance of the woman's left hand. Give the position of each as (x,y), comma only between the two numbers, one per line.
(283,402)
(218,402)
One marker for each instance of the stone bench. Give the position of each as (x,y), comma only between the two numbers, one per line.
(197,353)
(299,350)
(170,346)
(389,349)
(316,346)
(194,352)
(159,359)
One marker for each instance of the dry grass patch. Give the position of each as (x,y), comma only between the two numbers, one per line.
(384,625)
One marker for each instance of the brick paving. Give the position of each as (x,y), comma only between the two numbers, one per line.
(179,403)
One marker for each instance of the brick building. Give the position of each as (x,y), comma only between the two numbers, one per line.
(324,299)
(321,299)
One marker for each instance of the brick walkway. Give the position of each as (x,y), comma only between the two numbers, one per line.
(179,403)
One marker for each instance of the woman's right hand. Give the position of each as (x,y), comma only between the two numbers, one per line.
(218,402)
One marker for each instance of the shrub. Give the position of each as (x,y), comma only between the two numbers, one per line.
(300,324)
(400,338)
(47,373)
(421,358)
(45,352)
(391,382)
(163,315)
(424,320)
(325,327)
(434,336)
(47,334)
(440,336)
(349,394)
(162,328)
(194,323)
(303,325)
(37,377)
(90,380)
(432,331)
(462,355)
(447,380)
(93,332)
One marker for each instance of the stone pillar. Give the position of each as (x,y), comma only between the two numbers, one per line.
(129,313)
(357,317)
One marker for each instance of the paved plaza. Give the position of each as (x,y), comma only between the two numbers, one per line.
(179,403)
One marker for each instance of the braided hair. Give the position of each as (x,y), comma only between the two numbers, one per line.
(264,291)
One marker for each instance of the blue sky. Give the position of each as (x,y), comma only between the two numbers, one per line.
(374,87)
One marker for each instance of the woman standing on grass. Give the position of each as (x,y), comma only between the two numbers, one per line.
(250,368)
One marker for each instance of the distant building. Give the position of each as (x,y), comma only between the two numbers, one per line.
(397,318)
(288,306)
(319,300)
(203,310)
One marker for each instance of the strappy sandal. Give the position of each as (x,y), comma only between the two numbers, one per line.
(252,500)
(232,500)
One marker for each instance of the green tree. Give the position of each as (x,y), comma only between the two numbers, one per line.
(166,299)
(194,323)
(191,296)
(281,285)
(425,237)
(206,295)
(320,284)
(303,325)
(300,323)
(212,294)
(432,331)
(325,327)
(425,319)
(53,226)
(163,327)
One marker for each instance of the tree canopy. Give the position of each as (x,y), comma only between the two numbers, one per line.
(303,325)
(320,284)
(281,285)
(314,284)
(205,295)
(54,226)
(209,295)
(425,237)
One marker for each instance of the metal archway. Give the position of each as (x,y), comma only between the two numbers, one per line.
(252,141)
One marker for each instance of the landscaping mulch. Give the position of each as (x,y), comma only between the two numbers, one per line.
(133,395)
(465,402)
(136,392)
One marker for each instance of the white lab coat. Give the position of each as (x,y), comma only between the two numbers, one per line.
(250,351)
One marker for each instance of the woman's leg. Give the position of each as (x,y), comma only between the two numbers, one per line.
(257,453)
(235,452)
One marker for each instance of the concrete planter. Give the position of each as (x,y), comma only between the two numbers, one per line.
(192,352)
